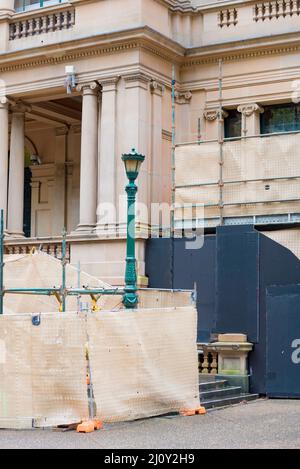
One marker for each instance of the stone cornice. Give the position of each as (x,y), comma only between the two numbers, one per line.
(151,41)
(101,44)
(239,50)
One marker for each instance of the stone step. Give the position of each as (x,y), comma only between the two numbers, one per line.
(211,385)
(227,401)
(216,394)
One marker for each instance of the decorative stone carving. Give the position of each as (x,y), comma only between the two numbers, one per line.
(88,88)
(213,114)
(248,109)
(157,88)
(183,97)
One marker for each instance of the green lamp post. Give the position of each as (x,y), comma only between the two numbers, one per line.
(132,162)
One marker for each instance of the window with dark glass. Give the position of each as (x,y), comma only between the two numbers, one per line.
(233,123)
(24,5)
(280,118)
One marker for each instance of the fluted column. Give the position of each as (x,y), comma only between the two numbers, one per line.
(89,155)
(16,173)
(3,154)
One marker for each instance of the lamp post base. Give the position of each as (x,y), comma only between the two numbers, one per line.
(130,300)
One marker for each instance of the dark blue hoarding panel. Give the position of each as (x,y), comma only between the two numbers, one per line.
(237,292)
(283,341)
(197,267)
(189,267)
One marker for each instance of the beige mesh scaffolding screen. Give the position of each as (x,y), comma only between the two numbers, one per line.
(39,270)
(261,175)
(143,363)
(42,370)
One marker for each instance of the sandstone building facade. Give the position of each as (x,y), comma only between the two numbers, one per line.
(236,127)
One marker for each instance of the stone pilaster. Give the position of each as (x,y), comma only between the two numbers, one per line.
(3,154)
(213,122)
(156,166)
(89,157)
(106,208)
(250,118)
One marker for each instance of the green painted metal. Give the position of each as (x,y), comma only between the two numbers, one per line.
(1,260)
(132,162)
(63,268)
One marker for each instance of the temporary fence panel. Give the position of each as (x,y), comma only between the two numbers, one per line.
(42,370)
(144,363)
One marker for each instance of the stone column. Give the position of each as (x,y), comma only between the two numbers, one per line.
(106,210)
(16,173)
(88,162)
(3,155)
(250,119)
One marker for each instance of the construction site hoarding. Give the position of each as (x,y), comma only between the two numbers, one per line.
(142,363)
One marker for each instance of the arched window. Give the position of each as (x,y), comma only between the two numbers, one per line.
(25,5)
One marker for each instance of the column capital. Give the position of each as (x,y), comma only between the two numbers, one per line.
(4,102)
(249,109)
(90,88)
(183,97)
(213,114)
(157,88)
(137,80)
(19,107)
(109,83)
(61,131)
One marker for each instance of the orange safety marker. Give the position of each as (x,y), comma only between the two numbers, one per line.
(190,412)
(89,426)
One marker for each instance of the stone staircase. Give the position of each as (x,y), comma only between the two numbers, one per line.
(216,392)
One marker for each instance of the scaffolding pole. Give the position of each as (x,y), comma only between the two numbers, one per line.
(173,170)
(221,142)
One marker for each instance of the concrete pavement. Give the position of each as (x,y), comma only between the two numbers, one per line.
(260,424)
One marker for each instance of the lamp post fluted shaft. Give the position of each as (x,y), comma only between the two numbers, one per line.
(130,299)
(132,162)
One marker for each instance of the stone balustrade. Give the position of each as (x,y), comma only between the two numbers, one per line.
(208,359)
(228,17)
(49,247)
(36,24)
(276,9)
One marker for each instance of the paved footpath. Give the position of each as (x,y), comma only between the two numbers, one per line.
(260,424)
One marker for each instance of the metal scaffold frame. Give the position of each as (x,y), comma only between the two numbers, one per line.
(60,293)
(220,183)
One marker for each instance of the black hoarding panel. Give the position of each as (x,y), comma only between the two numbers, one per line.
(283,341)
(197,266)
(237,302)
(190,267)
